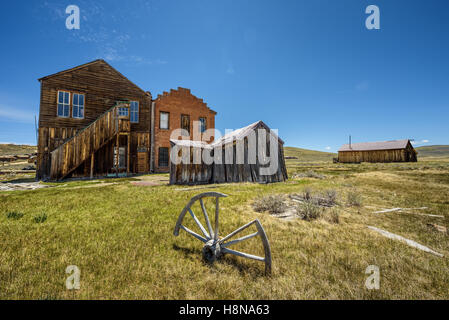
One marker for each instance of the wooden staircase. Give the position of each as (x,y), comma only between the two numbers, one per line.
(73,153)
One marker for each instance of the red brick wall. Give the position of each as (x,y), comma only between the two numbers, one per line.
(176,103)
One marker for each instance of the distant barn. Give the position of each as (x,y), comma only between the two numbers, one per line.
(384,151)
(248,169)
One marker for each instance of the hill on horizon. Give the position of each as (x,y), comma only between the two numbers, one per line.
(433,151)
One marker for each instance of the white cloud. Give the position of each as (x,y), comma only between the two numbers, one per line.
(15,114)
(424,141)
(328,148)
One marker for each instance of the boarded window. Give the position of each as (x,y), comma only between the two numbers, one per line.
(78,106)
(163,157)
(185,123)
(134,111)
(120,161)
(164,120)
(203,126)
(63,104)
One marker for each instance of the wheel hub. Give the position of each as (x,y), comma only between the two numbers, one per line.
(211,251)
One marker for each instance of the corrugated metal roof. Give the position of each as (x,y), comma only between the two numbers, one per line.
(371,146)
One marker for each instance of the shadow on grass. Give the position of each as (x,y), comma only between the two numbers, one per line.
(236,263)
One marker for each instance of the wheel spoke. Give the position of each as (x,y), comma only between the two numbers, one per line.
(206,217)
(199,224)
(242,254)
(217,209)
(240,239)
(196,235)
(237,231)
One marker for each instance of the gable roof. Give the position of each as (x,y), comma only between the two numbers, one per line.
(98,61)
(241,133)
(372,146)
(238,134)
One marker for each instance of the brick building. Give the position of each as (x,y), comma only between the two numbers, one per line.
(178,109)
(93,121)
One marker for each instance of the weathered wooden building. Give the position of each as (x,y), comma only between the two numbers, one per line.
(384,151)
(235,157)
(93,121)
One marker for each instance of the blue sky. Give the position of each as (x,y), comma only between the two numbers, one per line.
(308,68)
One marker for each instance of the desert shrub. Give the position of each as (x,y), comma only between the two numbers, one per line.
(40,218)
(308,211)
(330,196)
(307,194)
(273,204)
(354,199)
(310,174)
(332,216)
(14,215)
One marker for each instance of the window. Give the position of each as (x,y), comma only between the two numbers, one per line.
(185,123)
(134,111)
(78,106)
(63,104)
(163,157)
(123,112)
(203,125)
(164,120)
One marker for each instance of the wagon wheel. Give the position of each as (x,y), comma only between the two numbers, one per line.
(214,246)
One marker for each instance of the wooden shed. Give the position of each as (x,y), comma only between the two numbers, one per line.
(236,157)
(383,151)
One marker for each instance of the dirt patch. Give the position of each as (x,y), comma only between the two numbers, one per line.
(12,186)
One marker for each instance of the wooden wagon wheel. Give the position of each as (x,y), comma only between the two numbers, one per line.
(214,246)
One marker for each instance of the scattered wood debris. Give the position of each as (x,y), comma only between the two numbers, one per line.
(409,211)
(409,242)
(437,227)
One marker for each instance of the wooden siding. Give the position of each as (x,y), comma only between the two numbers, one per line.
(69,156)
(192,174)
(400,155)
(102,86)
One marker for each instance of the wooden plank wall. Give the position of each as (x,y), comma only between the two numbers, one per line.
(192,174)
(400,155)
(75,151)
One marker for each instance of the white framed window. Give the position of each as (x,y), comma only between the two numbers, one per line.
(63,104)
(123,112)
(78,106)
(134,111)
(164,120)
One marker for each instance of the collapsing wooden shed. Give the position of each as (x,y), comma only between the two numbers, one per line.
(250,154)
(384,151)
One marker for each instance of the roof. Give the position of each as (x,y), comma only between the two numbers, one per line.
(88,64)
(380,145)
(238,134)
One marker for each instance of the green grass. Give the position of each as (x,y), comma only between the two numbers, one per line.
(14,149)
(304,155)
(121,237)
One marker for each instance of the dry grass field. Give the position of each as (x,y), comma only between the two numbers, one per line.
(120,234)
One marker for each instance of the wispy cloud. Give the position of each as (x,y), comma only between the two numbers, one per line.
(362,86)
(15,114)
(419,142)
(328,148)
(230,69)
(109,43)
